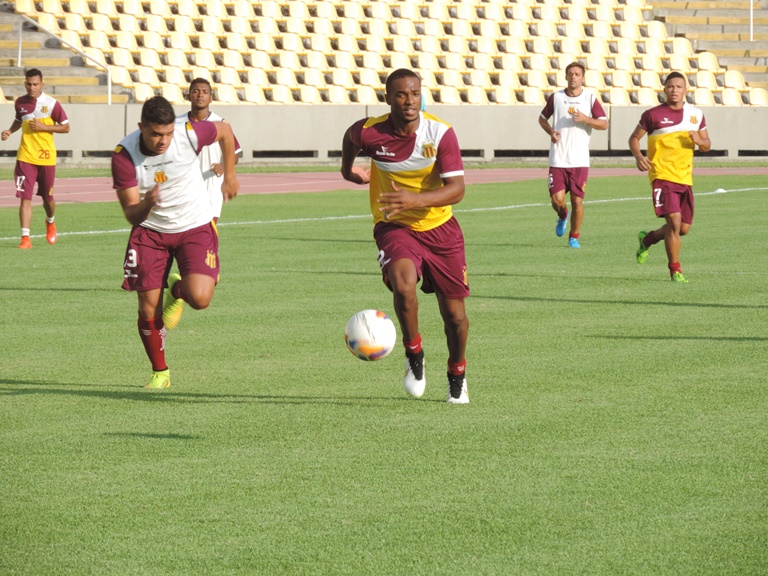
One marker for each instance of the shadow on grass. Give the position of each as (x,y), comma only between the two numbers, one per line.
(623,302)
(153,436)
(31,387)
(53,289)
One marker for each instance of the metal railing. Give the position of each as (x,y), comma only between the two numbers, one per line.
(104,67)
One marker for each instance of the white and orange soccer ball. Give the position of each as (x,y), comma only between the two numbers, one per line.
(370,335)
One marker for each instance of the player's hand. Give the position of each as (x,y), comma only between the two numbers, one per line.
(555,138)
(35,125)
(695,137)
(218,169)
(229,188)
(643,164)
(151,198)
(579,116)
(397,201)
(359,175)
(5,135)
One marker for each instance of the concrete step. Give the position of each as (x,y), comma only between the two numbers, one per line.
(28,62)
(713,20)
(731,37)
(55,80)
(702,5)
(689,29)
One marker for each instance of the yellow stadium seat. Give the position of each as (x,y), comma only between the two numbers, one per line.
(511,62)
(310,95)
(483,62)
(546,29)
(213,24)
(647,96)
(449,95)
(505,95)
(707,61)
(650,62)
(604,13)
(152,41)
(175,75)
(366,95)
(408,11)
(703,97)
(347,43)
(520,12)
(380,10)
(187,8)
(629,30)
(538,62)
(512,45)
(450,78)
(100,40)
(532,95)
(151,58)
(734,79)
(594,79)
(143,92)
(132,7)
(597,46)
(402,44)
(200,72)
(399,60)
(705,79)
(184,24)
(124,58)
(453,61)
(254,94)
(50,22)
(316,59)
(120,76)
(79,7)
(351,26)
(484,45)
(541,45)
(624,62)
(338,95)
(173,94)
(618,96)
(256,77)
(215,8)
(295,26)
(208,41)
(147,75)
(243,8)
(353,10)
(342,77)
(344,60)
(536,79)
(653,46)
(569,46)
(226,94)
(158,7)
(437,11)
(178,58)
(625,46)
(372,60)
(25,7)
(230,76)
(650,79)
(508,78)
(426,61)
(758,96)
(240,25)
(203,58)
(464,11)
(369,77)
(480,78)
(53,7)
(682,45)
(621,79)
(577,13)
(266,25)
(286,77)
(631,14)
(314,77)
(97,55)
(461,28)
(732,97)
(433,27)
(259,59)
(656,29)
(264,42)
(599,29)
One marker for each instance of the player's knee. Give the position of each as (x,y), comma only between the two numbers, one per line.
(198,299)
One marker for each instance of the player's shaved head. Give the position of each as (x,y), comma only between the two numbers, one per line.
(400,73)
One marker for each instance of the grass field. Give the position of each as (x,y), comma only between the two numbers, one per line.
(618,424)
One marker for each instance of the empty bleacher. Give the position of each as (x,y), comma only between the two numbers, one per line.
(340,51)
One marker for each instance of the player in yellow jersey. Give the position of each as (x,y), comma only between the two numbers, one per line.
(416,175)
(674,130)
(40,117)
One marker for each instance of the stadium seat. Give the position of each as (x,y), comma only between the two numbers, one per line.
(264,42)
(732,97)
(338,95)
(120,76)
(51,23)
(147,75)
(266,25)
(597,46)
(347,43)
(152,41)
(369,77)
(173,75)
(734,79)
(344,60)
(97,55)
(256,77)
(573,29)
(599,29)
(285,77)
(208,41)
(177,58)
(200,72)
(230,77)
(452,61)
(504,95)
(180,41)
(240,25)
(244,8)
(650,62)
(73,22)
(449,95)
(618,96)
(204,58)
(594,79)
(707,61)
(213,25)
(158,7)
(624,62)
(226,94)
(653,46)
(624,46)
(679,63)
(647,97)
(570,46)
(508,78)
(541,45)
(705,79)
(629,30)
(603,13)
(215,8)
(366,95)
(53,7)
(621,79)
(538,62)
(449,78)
(656,29)
(25,7)
(402,44)
(546,29)
(536,79)
(650,79)
(173,94)
(310,95)
(150,58)
(399,60)
(143,92)
(758,96)
(703,97)
(477,95)
(259,59)
(533,95)
(682,45)
(187,8)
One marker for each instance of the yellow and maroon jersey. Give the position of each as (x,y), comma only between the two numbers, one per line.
(670,147)
(38,147)
(417,162)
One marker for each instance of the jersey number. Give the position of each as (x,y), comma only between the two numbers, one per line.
(20,183)
(45,155)
(383,261)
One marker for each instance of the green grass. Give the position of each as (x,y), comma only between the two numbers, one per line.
(618,422)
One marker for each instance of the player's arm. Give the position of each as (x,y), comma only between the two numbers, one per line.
(596,123)
(135,208)
(14,127)
(554,136)
(226,139)
(37,126)
(349,152)
(701,139)
(643,164)
(399,199)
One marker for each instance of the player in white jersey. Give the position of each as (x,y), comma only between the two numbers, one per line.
(574,113)
(200,98)
(159,183)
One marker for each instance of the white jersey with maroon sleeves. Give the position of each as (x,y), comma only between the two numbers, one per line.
(183,201)
(572,151)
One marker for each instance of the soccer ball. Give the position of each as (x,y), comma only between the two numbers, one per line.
(370,335)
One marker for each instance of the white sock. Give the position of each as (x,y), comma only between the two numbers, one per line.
(25,232)
(50,220)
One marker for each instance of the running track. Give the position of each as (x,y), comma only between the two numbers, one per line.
(82,190)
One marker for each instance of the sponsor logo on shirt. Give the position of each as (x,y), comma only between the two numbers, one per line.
(667,121)
(384,152)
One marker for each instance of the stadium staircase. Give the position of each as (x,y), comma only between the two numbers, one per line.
(65,76)
(722,28)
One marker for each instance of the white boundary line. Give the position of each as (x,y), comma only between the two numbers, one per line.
(359,216)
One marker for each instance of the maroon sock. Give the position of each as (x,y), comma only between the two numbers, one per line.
(457,368)
(650,239)
(674,267)
(152,332)
(563,216)
(572,235)
(414,346)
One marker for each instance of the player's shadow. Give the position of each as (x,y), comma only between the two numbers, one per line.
(52,288)
(625,302)
(151,436)
(326,240)
(172,396)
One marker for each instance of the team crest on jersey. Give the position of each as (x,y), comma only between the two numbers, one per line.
(572,110)
(694,120)
(160,177)
(44,109)
(210,260)
(428,150)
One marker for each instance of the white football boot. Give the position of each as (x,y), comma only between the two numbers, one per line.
(457,389)
(415,381)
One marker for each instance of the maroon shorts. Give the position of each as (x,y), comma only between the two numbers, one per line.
(26,175)
(438,255)
(150,254)
(671,197)
(573,180)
